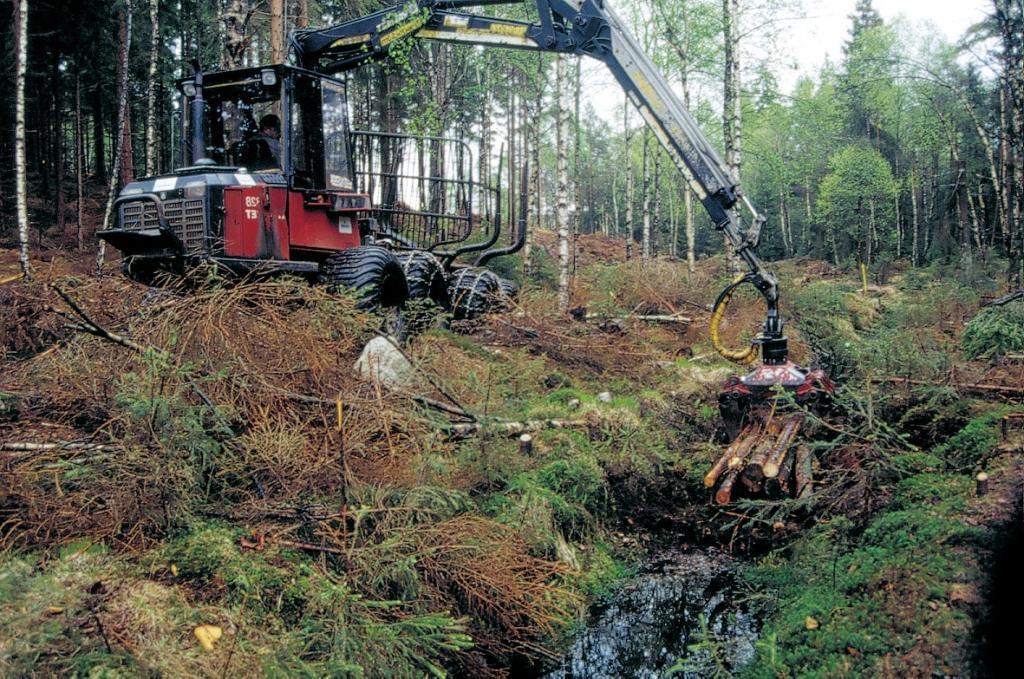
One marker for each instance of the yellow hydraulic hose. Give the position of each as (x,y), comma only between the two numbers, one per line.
(740,356)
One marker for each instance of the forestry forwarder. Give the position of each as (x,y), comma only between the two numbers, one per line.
(311,213)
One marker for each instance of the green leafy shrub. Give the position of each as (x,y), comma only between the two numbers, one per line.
(995,331)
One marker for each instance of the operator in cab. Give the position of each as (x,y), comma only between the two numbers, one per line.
(270,134)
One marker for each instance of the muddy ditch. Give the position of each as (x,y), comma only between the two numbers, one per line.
(681,615)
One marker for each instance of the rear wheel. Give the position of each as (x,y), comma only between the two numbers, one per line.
(474,292)
(371,271)
(425,277)
(507,291)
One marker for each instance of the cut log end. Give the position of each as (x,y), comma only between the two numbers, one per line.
(723,495)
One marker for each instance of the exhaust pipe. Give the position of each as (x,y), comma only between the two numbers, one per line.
(197,117)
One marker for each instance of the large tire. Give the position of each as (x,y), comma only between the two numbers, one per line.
(138,269)
(371,271)
(507,291)
(425,277)
(474,292)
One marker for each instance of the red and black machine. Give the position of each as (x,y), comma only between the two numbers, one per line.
(325,208)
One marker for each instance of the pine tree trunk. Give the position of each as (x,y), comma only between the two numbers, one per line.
(562,211)
(127,150)
(79,160)
(58,144)
(302,17)
(513,197)
(99,151)
(152,152)
(122,116)
(870,240)
(276,31)
(535,198)
(485,144)
(20,176)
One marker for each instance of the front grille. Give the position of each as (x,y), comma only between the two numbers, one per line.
(186,216)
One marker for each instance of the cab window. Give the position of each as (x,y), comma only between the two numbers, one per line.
(336,137)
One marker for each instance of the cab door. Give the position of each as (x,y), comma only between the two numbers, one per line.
(319,167)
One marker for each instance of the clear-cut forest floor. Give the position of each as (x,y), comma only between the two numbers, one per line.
(215,461)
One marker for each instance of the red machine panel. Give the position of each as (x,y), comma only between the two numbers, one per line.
(255,222)
(316,226)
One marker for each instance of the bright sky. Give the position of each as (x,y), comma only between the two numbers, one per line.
(820,33)
(827,25)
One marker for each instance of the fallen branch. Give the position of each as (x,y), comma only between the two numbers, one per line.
(27,447)
(804,472)
(422,400)
(979,388)
(650,318)
(261,541)
(1005,299)
(443,407)
(457,431)
(90,326)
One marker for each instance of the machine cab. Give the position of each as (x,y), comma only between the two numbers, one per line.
(274,119)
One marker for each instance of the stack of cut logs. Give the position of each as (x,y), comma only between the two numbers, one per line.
(765,462)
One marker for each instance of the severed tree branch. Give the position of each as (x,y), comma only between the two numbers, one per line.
(465,430)
(93,328)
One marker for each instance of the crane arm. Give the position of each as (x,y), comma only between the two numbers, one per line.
(581,27)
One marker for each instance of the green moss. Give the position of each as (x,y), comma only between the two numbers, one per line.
(209,557)
(878,597)
(603,572)
(969,446)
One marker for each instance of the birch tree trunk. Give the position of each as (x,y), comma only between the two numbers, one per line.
(731,110)
(562,211)
(152,154)
(688,220)
(673,224)
(645,214)
(122,115)
(577,208)
(20,177)
(235,19)
(915,218)
(656,189)
(630,180)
